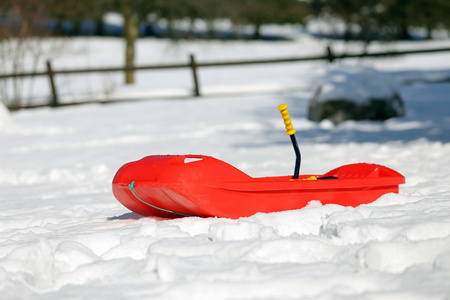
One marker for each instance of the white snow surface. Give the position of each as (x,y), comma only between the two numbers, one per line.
(64,236)
(5,119)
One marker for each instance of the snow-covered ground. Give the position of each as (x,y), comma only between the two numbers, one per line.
(64,236)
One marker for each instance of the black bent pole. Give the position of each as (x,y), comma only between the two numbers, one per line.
(291,132)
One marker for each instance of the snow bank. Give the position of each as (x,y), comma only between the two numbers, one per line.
(356,83)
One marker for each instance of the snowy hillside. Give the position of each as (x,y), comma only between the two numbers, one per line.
(64,236)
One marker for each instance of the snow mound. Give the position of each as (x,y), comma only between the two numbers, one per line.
(356,83)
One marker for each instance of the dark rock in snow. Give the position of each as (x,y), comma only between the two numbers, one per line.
(349,93)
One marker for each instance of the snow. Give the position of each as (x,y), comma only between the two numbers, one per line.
(5,119)
(63,235)
(113,18)
(357,84)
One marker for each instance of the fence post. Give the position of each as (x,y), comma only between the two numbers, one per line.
(50,74)
(194,74)
(330,55)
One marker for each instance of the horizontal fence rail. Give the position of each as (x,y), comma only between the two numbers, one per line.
(328,55)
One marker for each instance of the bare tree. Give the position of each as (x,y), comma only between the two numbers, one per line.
(20,47)
(131,34)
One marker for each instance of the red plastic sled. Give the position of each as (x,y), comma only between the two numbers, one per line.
(194,185)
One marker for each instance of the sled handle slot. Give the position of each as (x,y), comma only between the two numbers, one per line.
(291,132)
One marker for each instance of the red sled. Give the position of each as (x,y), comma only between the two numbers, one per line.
(172,186)
(195,185)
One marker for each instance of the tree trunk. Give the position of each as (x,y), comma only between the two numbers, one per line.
(99,27)
(429,32)
(257,32)
(404,33)
(131,33)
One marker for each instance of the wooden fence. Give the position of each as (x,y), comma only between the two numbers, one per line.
(328,55)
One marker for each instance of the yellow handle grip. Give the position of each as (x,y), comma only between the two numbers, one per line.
(287,119)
